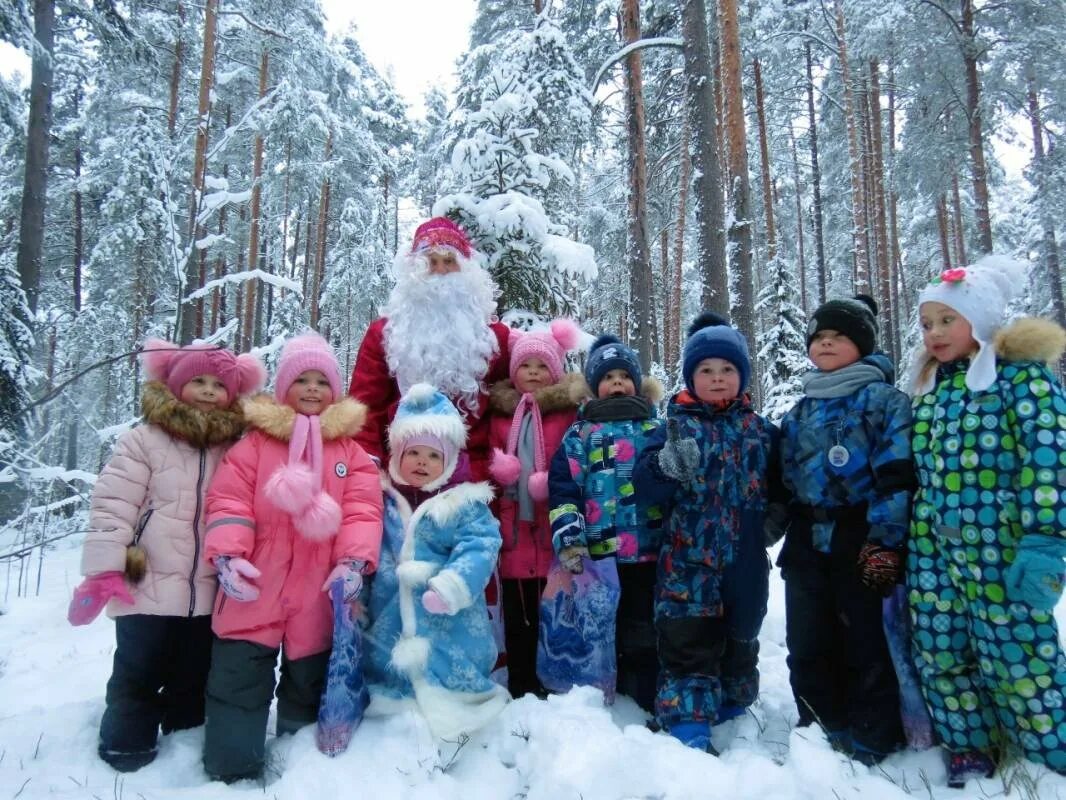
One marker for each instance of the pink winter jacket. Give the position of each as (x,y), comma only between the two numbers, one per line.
(242,521)
(527,546)
(155,484)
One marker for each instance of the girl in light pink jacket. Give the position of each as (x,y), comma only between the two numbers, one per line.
(142,555)
(295,506)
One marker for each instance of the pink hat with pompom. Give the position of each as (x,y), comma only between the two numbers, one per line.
(175,366)
(302,353)
(441,232)
(549,346)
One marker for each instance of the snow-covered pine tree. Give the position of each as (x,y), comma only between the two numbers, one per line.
(510,164)
(782,347)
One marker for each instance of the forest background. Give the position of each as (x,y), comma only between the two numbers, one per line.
(231,170)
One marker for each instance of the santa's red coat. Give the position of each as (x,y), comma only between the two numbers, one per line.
(373,386)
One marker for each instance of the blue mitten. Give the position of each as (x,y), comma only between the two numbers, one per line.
(1037,574)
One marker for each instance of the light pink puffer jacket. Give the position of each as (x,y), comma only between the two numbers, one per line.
(156,484)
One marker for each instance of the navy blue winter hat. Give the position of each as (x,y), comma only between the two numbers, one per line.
(711,336)
(609,353)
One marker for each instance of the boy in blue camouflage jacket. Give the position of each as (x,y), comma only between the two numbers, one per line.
(594,510)
(845,453)
(712,471)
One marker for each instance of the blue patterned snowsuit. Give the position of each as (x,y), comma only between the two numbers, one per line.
(712,581)
(438,664)
(840,668)
(590,486)
(991,469)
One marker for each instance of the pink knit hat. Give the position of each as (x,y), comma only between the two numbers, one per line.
(549,346)
(301,353)
(441,232)
(175,366)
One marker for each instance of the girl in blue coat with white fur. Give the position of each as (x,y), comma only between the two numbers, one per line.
(429,645)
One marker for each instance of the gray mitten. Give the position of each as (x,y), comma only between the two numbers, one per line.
(680,458)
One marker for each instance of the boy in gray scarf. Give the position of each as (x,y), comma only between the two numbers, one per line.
(845,450)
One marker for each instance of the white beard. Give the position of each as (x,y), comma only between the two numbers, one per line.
(437,329)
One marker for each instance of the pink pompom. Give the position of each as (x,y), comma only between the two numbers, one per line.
(566,333)
(156,356)
(253,375)
(290,487)
(320,519)
(513,337)
(538,486)
(504,468)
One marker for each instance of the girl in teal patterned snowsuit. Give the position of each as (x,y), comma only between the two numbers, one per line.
(988,531)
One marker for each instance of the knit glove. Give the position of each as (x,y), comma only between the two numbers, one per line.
(232,575)
(1036,577)
(879,568)
(434,603)
(92,595)
(680,458)
(571,558)
(350,573)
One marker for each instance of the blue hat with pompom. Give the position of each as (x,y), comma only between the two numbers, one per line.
(609,353)
(711,336)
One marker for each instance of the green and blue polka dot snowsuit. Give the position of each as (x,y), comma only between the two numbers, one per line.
(991,469)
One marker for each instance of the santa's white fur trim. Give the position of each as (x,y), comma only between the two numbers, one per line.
(447,504)
(411,654)
(415,573)
(452,589)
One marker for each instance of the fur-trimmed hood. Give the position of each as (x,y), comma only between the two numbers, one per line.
(161,407)
(1031,339)
(562,396)
(650,389)
(342,419)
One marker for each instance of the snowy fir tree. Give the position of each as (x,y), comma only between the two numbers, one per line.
(782,348)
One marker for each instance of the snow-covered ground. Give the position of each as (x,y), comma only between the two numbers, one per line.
(52,679)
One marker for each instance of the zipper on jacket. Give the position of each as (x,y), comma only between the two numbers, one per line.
(142,525)
(196,531)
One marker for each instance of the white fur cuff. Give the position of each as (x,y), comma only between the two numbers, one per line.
(452,589)
(415,573)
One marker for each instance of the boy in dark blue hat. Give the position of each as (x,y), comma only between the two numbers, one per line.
(594,511)
(846,461)
(709,471)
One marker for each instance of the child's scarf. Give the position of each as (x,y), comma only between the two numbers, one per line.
(296,487)
(506,466)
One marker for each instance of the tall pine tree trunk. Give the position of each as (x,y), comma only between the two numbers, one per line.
(38,132)
(956,218)
(248,337)
(942,229)
(175,72)
(703,122)
(740,235)
(320,255)
(816,177)
(978,170)
(1050,243)
(764,157)
(861,271)
(709,212)
(889,318)
(673,310)
(187,316)
(800,248)
(640,284)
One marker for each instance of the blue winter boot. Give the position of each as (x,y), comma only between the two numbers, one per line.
(728,711)
(696,735)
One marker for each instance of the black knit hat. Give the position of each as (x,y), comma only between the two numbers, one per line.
(608,353)
(855,317)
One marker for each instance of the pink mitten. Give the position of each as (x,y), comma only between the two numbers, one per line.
(350,573)
(92,595)
(235,576)
(434,603)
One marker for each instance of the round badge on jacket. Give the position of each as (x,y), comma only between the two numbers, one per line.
(341,469)
(839,455)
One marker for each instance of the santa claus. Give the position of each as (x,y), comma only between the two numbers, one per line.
(439,327)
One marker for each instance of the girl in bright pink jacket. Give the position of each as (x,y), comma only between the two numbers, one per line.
(295,506)
(146,532)
(530,414)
